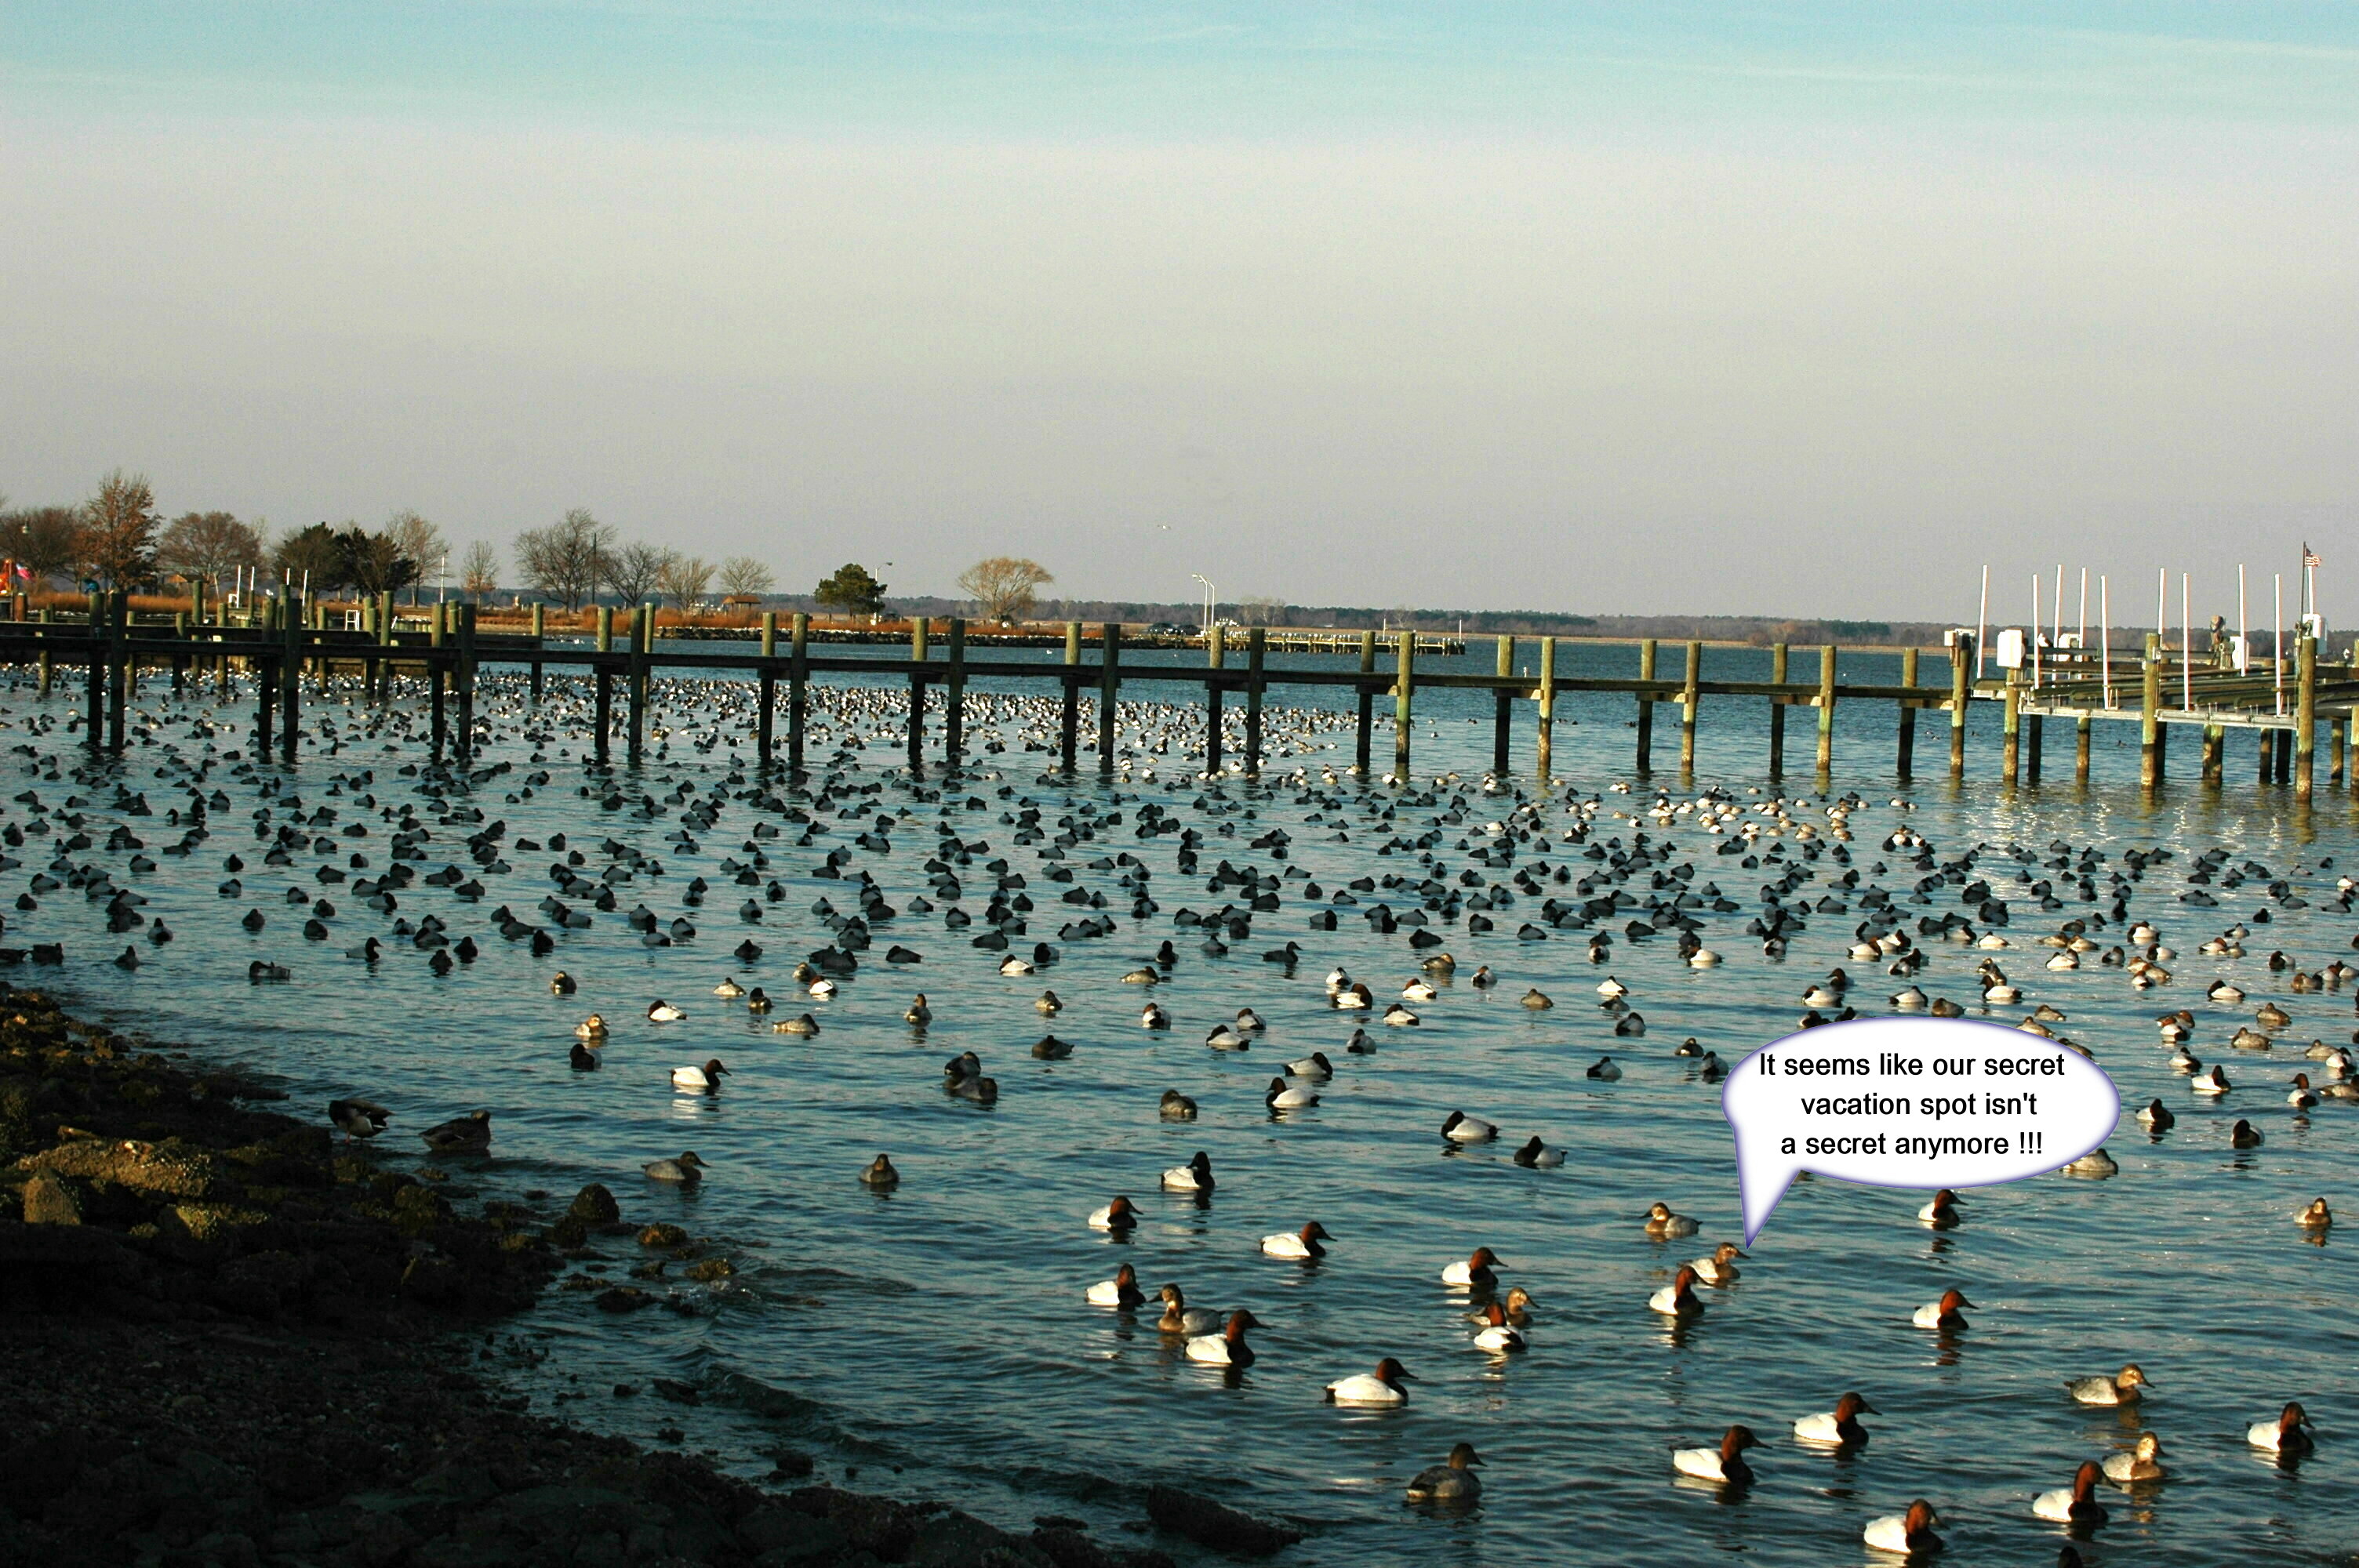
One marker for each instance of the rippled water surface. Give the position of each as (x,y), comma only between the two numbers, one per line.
(936,1340)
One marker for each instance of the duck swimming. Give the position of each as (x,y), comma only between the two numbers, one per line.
(1378,1388)
(1121,1215)
(1941,1214)
(1178,1317)
(918,1013)
(1537,1155)
(468,1134)
(1908,1534)
(1315,1065)
(1719,1269)
(581,1058)
(1663,1224)
(1227,1349)
(1452,1481)
(699,1080)
(2074,1505)
(1195,1176)
(1498,1335)
(687,1169)
(661,1012)
(2123,1389)
(2142,1463)
(1122,1290)
(1176,1106)
(1677,1299)
(1839,1426)
(1304,1243)
(591,1028)
(1942,1313)
(880,1173)
(2286,1436)
(1724,1463)
(1461,1127)
(1475,1272)
(729,987)
(2316,1217)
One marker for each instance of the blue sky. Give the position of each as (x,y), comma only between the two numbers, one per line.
(1280,293)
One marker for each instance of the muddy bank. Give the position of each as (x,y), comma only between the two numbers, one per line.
(227,1338)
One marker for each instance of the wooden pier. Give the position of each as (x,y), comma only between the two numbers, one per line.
(279,643)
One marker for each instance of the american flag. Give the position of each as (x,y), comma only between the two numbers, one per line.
(2309,557)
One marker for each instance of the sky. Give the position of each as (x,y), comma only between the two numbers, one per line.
(1790,309)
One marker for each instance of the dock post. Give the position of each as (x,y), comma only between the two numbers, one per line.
(1068,721)
(602,724)
(765,690)
(118,668)
(1544,738)
(1646,708)
(2150,715)
(1216,654)
(2337,741)
(2267,752)
(635,684)
(435,625)
(1777,675)
(290,682)
(797,692)
(1404,690)
(94,695)
(1256,651)
(1367,716)
(2283,773)
(1503,706)
(1109,686)
(2035,741)
(1827,656)
(954,696)
(48,660)
(1904,761)
(1688,704)
(466,683)
(2080,749)
(2214,755)
(2305,722)
(1962,664)
(2011,731)
(266,699)
(540,630)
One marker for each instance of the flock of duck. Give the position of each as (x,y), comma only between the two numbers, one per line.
(1595,877)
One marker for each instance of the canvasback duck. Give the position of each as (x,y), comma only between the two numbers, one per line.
(1498,1335)
(2124,1388)
(1315,1067)
(978,1088)
(2316,1217)
(1228,1348)
(1013,966)
(2156,1117)
(1612,989)
(1379,1387)
(1195,1176)
(1250,1020)
(1355,995)
(1400,1017)
(2244,1135)
(1122,1290)
(1303,1243)
(1518,1309)
(1605,1067)
(591,1028)
(2095,1162)
(1461,1127)
(1178,1317)
(1176,1106)
(1840,1426)
(1942,1313)
(1677,1299)
(1418,990)
(2074,1505)
(661,1011)
(703,1080)
(687,1169)
(1537,1155)
(1908,1534)
(1663,1224)
(1477,1272)
(2286,1435)
(1941,1214)
(1719,1269)
(1724,1463)
(1152,1016)
(2301,1098)
(1226,1037)
(880,1174)
(729,987)
(2211,1081)
(1337,978)
(1452,1481)
(802,1023)
(1909,999)
(1534,997)
(2141,1464)
(823,988)
(757,1001)
(1121,1215)
(1050,1004)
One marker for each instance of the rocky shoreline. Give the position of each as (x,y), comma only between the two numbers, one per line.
(226,1339)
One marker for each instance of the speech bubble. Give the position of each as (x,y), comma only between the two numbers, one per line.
(1911,1102)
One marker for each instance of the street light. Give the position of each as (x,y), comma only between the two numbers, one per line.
(1211,598)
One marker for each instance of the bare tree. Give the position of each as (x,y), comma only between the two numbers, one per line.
(118,530)
(634,571)
(206,547)
(685,578)
(567,560)
(1002,587)
(479,569)
(44,540)
(420,541)
(746,578)
(1261,609)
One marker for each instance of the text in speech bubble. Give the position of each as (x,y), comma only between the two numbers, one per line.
(1911,1102)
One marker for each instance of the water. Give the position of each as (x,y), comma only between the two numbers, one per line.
(935,1341)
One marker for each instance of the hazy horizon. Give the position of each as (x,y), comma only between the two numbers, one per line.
(1662,309)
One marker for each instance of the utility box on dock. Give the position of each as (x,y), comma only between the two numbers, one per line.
(2011,651)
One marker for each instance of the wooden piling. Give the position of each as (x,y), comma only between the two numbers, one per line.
(2150,714)
(118,667)
(1216,655)
(635,685)
(2338,731)
(2081,749)
(94,696)
(1903,762)
(1503,706)
(1256,654)
(1544,736)
(48,660)
(2011,731)
(2035,737)
(1827,656)
(1404,691)
(954,696)
(797,692)
(1068,721)
(1778,676)
(1109,689)
(765,689)
(2267,754)
(2283,773)
(290,683)
(265,699)
(1646,761)
(1366,727)
(540,630)
(2305,719)
(921,633)
(2215,748)
(601,705)
(1962,666)
(1688,704)
(465,679)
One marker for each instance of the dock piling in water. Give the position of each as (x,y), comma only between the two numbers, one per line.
(1256,654)
(602,702)
(1070,719)
(954,696)
(1364,729)
(1689,702)
(1904,762)
(1503,708)
(1827,656)
(1778,661)
(1544,740)
(1646,763)
(1404,694)
(1216,654)
(797,691)
(1109,689)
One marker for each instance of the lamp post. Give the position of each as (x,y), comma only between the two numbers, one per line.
(1211,597)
